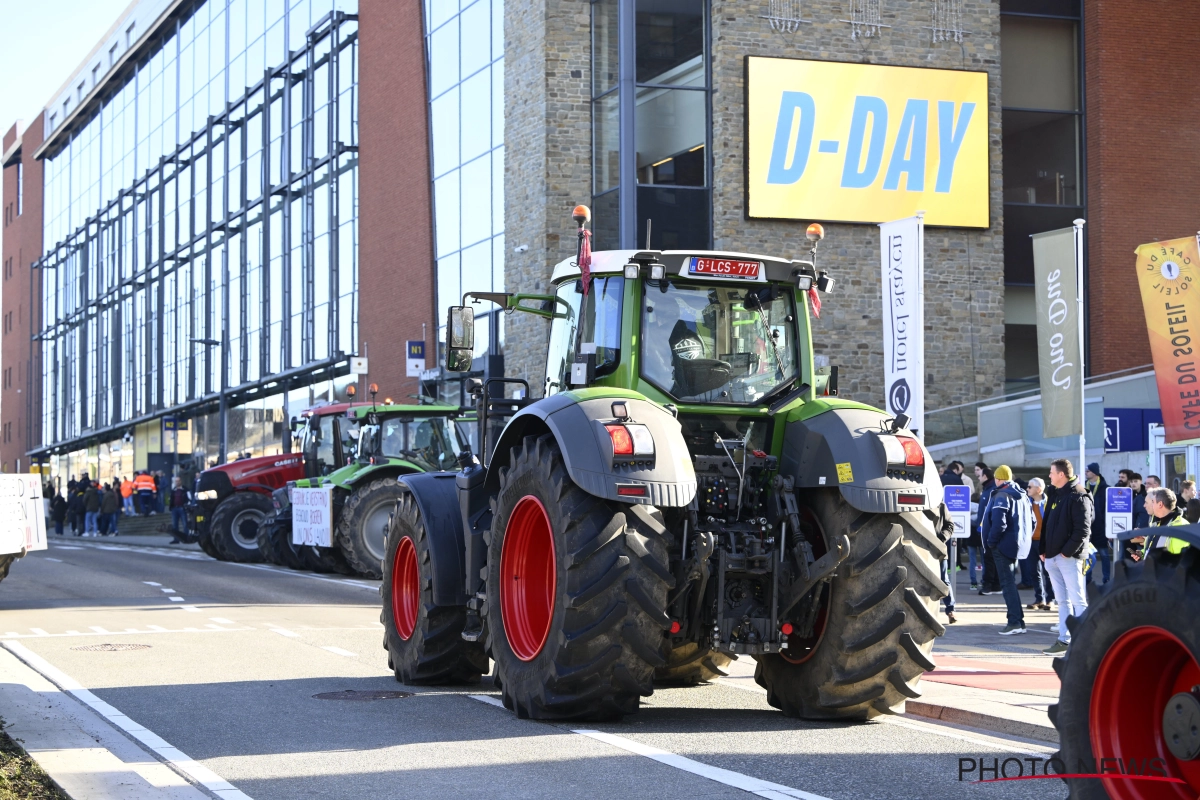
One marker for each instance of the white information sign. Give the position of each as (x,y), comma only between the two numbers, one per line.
(312,516)
(958,503)
(902,252)
(1118,510)
(358,365)
(22,517)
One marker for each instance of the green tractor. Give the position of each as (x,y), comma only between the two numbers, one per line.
(689,488)
(392,440)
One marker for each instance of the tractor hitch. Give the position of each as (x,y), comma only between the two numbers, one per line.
(818,571)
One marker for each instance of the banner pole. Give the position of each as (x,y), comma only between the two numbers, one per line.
(1079,223)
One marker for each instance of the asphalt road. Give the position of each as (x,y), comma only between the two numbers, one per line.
(234,655)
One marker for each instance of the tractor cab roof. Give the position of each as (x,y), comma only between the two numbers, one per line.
(361,412)
(677,263)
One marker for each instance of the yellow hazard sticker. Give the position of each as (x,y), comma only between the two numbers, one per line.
(845,474)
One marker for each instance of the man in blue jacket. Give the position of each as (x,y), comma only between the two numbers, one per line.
(1001,534)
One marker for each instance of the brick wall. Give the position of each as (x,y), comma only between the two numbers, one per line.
(22,246)
(547,135)
(1143,154)
(395,251)
(964,279)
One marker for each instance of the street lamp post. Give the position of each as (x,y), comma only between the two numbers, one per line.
(222,440)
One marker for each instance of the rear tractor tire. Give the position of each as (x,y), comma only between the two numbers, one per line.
(576,593)
(690,665)
(362,531)
(275,541)
(874,633)
(424,641)
(234,526)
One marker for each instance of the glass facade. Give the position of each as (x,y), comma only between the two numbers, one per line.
(650,123)
(464,44)
(213,195)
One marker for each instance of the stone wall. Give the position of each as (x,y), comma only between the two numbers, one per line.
(964,280)
(548,136)
(547,162)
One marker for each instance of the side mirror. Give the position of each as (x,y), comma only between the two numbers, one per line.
(460,338)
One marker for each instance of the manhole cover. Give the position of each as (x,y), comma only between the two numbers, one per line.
(350,694)
(111,648)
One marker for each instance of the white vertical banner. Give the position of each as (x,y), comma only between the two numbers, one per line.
(902,259)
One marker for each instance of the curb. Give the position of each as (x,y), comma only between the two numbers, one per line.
(975,719)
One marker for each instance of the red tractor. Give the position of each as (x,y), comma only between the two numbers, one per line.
(233,499)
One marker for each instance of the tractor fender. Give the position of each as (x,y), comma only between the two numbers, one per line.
(576,420)
(842,447)
(437,500)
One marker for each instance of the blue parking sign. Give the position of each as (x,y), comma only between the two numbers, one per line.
(1118,500)
(958,499)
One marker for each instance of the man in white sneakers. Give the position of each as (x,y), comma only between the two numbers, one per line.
(1065,534)
(1008,534)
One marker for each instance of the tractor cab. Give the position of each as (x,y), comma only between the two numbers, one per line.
(431,443)
(328,438)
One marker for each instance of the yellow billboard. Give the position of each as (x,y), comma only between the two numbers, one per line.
(866,143)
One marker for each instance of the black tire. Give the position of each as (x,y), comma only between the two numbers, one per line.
(324,560)
(206,544)
(880,618)
(279,543)
(606,626)
(1161,594)
(362,530)
(690,664)
(234,526)
(434,652)
(6,563)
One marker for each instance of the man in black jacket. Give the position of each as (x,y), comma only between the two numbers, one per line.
(1065,534)
(1097,487)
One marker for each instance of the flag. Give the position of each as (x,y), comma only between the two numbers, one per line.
(585,257)
(1169,276)
(902,265)
(814,300)
(1060,355)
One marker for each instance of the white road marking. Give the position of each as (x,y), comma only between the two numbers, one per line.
(222,620)
(39,631)
(175,599)
(151,583)
(176,758)
(340,652)
(55,560)
(73,633)
(157,628)
(189,608)
(755,786)
(167,591)
(11,633)
(1026,748)
(67,547)
(284,632)
(98,629)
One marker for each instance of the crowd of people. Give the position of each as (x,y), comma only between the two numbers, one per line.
(1050,539)
(91,508)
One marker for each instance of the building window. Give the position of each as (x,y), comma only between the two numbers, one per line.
(1042,117)
(82,88)
(129,35)
(112,55)
(20,187)
(650,119)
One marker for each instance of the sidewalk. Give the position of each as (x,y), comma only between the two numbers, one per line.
(136,540)
(984,680)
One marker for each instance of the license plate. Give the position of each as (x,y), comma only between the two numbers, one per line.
(724,267)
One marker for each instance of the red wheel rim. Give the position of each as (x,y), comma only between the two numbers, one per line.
(1140,672)
(800,649)
(527,578)
(406,589)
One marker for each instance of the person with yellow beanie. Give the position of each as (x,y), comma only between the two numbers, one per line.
(1005,534)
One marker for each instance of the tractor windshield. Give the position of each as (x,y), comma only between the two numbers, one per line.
(601,326)
(718,343)
(431,443)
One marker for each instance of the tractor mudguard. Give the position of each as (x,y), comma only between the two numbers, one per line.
(841,447)
(437,499)
(577,419)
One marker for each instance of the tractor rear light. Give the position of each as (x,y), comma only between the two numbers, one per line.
(622,442)
(631,490)
(786,629)
(914,454)
(675,626)
(643,442)
(912,499)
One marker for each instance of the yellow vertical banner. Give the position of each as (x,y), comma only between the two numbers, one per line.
(1167,274)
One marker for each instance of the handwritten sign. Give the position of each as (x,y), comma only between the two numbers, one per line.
(22,516)
(312,517)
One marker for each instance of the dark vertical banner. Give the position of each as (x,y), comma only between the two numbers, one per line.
(1060,364)
(1167,275)
(902,257)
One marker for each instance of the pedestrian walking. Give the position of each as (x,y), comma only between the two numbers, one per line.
(1164,511)
(1039,581)
(144,484)
(1097,487)
(110,509)
(1008,533)
(127,496)
(179,501)
(1065,537)
(1188,501)
(58,512)
(91,510)
(953,474)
